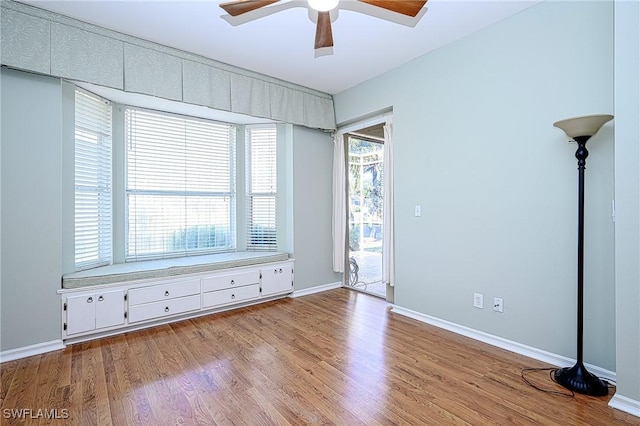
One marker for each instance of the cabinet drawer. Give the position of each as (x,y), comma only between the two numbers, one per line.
(231,295)
(164,308)
(224,281)
(158,292)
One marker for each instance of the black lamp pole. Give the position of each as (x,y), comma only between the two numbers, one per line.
(577,378)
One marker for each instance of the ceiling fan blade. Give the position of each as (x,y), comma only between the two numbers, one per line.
(324,36)
(238,7)
(405,7)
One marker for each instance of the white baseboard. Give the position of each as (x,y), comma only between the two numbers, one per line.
(625,404)
(519,348)
(316,289)
(37,349)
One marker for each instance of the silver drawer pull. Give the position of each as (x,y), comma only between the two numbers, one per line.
(90,300)
(166,309)
(232,282)
(166,293)
(280,270)
(233,296)
(275,271)
(100,299)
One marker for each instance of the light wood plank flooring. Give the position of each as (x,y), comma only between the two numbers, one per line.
(339,357)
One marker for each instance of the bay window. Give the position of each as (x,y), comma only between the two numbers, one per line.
(174,189)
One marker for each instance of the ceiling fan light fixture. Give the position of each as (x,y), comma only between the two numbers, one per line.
(323,5)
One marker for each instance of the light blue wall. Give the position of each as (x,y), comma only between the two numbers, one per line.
(37,205)
(475,147)
(312,208)
(31,209)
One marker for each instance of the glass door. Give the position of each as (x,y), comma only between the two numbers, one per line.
(365,175)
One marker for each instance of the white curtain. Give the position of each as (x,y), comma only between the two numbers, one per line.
(339,223)
(388,250)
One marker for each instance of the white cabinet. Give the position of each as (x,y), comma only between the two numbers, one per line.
(277,279)
(134,304)
(91,311)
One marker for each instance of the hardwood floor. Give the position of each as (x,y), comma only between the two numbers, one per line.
(338,357)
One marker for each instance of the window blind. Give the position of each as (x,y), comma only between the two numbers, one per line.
(180,185)
(92,181)
(261,188)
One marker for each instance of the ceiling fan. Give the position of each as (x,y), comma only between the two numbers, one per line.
(324,36)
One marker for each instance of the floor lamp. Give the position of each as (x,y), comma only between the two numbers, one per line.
(577,378)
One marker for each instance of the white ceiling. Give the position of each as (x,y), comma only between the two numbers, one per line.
(281,44)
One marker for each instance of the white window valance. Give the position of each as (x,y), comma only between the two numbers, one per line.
(48,43)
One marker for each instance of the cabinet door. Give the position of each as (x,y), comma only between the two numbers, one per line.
(81,313)
(277,279)
(109,308)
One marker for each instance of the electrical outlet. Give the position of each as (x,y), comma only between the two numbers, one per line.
(498,304)
(478,301)
(418,211)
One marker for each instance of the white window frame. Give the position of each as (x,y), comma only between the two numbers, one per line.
(268,193)
(131,256)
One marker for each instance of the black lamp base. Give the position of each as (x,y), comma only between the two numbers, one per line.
(578,379)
